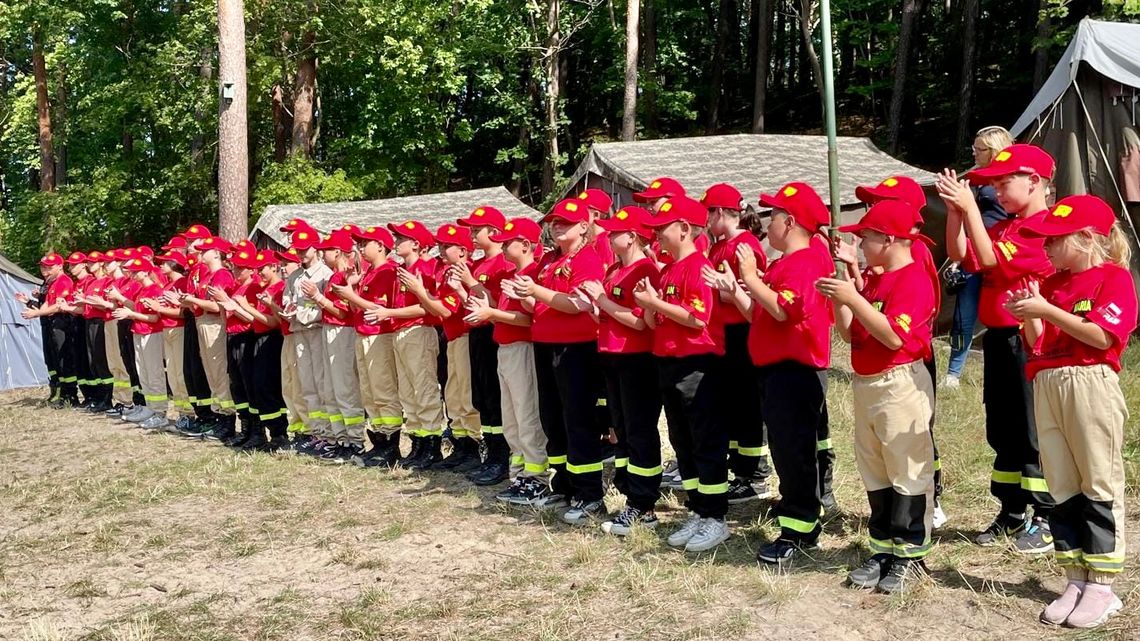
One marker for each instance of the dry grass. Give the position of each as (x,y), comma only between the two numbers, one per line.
(110,534)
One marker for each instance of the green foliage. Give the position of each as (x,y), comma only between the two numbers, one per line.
(299,180)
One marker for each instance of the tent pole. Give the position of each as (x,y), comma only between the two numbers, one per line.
(829,120)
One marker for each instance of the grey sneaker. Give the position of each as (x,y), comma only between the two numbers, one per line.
(1036,539)
(155,422)
(901,576)
(143,414)
(129,412)
(584,512)
(869,574)
(711,533)
(671,476)
(624,522)
(680,538)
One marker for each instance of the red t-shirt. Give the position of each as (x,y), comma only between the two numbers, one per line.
(906,297)
(805,336)
(490,272)
(505,333)
(563,273)
(275,290)
(327,317)
(682,284)
(405,298)
(604,249)
(154,290)
(59,289)
(1020,259)
(1106,297)
(701,241)
(97,287)
(197,275)
(222,279)
(921,254)
(248,290)
(725,251)
(175,285)
(613,335)
(376,286)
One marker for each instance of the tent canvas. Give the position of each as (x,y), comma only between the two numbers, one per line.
(431,209)
(21,347)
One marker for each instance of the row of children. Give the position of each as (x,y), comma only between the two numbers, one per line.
(677,306)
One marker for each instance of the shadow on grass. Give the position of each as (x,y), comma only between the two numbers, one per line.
(1030,588)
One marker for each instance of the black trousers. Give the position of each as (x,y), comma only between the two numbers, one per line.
(102,381)
(793,398)
(485,394)
(265,386)
(747,436)
(127,350)
(897,517)
(441,360)
(80,356)
(932,367)
(567,404)
(1017,479)
(197,387)
(63,354)
(697,431)
(51,361)
(634,404)
(239,366)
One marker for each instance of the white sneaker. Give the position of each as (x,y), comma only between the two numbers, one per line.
(687,531)
(951,382)
(712,532)
(940,517)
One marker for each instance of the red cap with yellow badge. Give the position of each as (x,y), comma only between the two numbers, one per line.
(484,216)
(304,239)
(570,210)
(297,224)
(450,234)
(413,229)
(378,234)
(77,258)
(1071,215)
(722,195)
(801,202)
(895,188)
(339,239)
(597,199)
(197,232)
(663,187)
(628,219)
(1015,159)
(289,256)
(520,228)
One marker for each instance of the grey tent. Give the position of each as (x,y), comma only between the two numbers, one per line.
(1086,114)
(21,349)
(431,209)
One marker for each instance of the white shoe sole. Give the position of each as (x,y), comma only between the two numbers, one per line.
(705,546)
(1116,606)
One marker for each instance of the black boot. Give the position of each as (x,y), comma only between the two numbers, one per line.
(384,453)
(464,456)
(417,450)
(239,439)
(278,437)
(496,466)
(430,453)
(255,440)
(224,430)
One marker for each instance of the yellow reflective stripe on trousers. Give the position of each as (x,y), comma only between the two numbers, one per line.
(535,468)
(295,428)
(621,462)
(387,420)
(334,418)
(317,414)
(879,546)
(154,397)
(1034,484)
(492,429)
(796,525)
(272,415)
(557,460)
(601,402)
(643,471)
(205,402)
(911,551)
(1013,478)
(126,384)
(239,406)
(937,464)
(689,484)
(68,379)
(825,444)
(459,432)
(715,488)
(517,459)
(353,420)
(586,468)
(1111,563)
(754,451)
(1068,555)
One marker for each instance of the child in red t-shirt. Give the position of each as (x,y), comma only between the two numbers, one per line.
(689,345)
(888,326)
(146,328)
(1077,324)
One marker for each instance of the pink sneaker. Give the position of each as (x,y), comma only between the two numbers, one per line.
(1097,604)
(1056,612)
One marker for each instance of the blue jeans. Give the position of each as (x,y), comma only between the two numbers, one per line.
(965,315)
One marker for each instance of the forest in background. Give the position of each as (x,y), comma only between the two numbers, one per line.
(109,108)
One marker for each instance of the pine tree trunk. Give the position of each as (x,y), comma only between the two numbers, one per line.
(281,128)
(910,11)
(762,29)
(966,86)
(649,63)
(1040,50)
(780,45)
(553,71)
(303,94)
(233,146)
(716,84)
(629,101)
(43,115)
(60,128)
(807,13)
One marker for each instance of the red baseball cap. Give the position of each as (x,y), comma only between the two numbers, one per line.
(1073,214)
(597,199)
(378,234)
(127,253)
(213,242)
(296,225)
(197,232)
(570,210)
(51,260)
(450,234)
(802,203)
(722,195)
(521,228)
(628,219)
(895,188)
(173,256)
(413,229)
(264,258)
(339,239)
(890,217)
(1015,159)
(289,256)
(679,208)
(663,187)
(305,239)
(140,264)
(96,257)
(351,229)
(76,258)
(177,242)
(484,216)
(145,250)
(244,259)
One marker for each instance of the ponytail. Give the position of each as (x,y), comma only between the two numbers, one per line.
(1116,247)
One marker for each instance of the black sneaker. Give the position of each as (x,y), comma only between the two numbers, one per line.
(901,576)
(1036,539)
(782,551)
(1003,526)
(624,522)
(533,492)
(740,491)
(869,574)
(508,494)
(182,423)
(116,410)
(584,512)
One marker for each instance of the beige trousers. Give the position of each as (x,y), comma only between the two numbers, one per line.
(172,351)
(291,385)
(346,413)
(379,392)
(212,347)
(457,393)
(309,346)
(1080,414)
(121,388)
(417,349)
(522,428)
(152,370)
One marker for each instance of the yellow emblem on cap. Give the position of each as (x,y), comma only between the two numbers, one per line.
(451,231)
(479,212)
(890,182)
(583,196)
(303,235)
(704,196)
(790,191)
(194,229)
(260,255)
(509,227)
(241,255)
(666,207)
(410,225)
(571,207)
(1062,211)
(291,250)
(622,215)
(370,230)
(1003,156)
(655,184)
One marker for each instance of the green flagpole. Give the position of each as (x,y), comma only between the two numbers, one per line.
(829,123)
